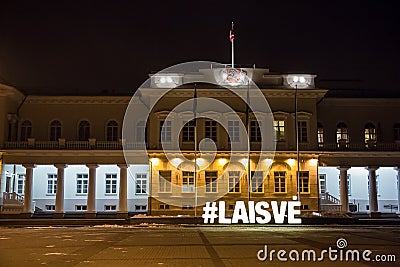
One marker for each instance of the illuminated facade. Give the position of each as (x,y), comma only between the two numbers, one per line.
(63,154)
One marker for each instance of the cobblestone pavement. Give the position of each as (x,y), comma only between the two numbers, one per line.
(187,246)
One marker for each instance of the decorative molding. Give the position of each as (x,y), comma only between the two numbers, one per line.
(70,100)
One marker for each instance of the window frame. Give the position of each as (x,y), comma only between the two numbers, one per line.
(211,178)
(279,180)
(279,130)
(112,131)
(141,184)
(55,130)
(82,177)
(51,184)
(187,185)
(211,130)
(164,183)
(111,184)
(234,184)
(257,186)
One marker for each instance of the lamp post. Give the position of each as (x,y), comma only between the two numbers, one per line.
(296,81)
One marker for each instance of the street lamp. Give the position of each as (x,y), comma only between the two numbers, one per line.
(298,81)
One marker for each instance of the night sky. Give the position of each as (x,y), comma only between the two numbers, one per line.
(109,47)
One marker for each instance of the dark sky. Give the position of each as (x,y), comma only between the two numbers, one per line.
(89,47)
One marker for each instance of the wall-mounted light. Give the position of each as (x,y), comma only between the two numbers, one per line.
(269,162)
(313,162)
(222,161)
(291,162)
(176,161)
(244,162)
(154,161)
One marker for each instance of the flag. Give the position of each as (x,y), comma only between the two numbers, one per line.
(231,34)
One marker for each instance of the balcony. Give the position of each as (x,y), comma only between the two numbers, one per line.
(62,144)
(360,147)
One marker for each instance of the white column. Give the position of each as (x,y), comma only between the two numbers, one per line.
(60,188)
(373,194)
(344,189)
(91,199)
(28,187)
(398,189)
(123,188)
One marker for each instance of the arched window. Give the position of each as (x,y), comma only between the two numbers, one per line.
(26,130)
(342,133)
(320,136)
(369,133)
(84,131)
(140,131)
(55,130)
(112,131)
(396,131)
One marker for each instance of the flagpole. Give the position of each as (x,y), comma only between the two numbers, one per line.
(249,144)
(195,149)
(233,47)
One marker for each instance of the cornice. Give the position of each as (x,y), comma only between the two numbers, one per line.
(70,100)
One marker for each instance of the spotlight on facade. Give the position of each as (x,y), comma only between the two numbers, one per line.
(166,80)
(244,162)
(154,161)
(176,161)
(313,162)
(200,161)
(269,162)
(299,81)
(291,162)
(222,161)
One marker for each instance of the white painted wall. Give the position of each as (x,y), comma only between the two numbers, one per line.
(42,198)
(387,191)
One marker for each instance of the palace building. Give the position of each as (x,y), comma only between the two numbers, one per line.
(67,155)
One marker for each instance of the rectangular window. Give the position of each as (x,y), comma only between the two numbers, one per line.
(234,181)
(141,183)
(165,131)
(111,183)
(255,133)
(279,127)
(304,182)
(233,131)
(304,207)
(188,131)
(164,207)
(280,181)
(164,181)
(140,207)
(211,130)
(50,207)
(322,183)
(21,184)
(320,137)
(257,181)
(302,131)
(110,207)
(80,207)
(187,207)
(211,181)
(51,183)
(82,182)
(141,131)
(188,182)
